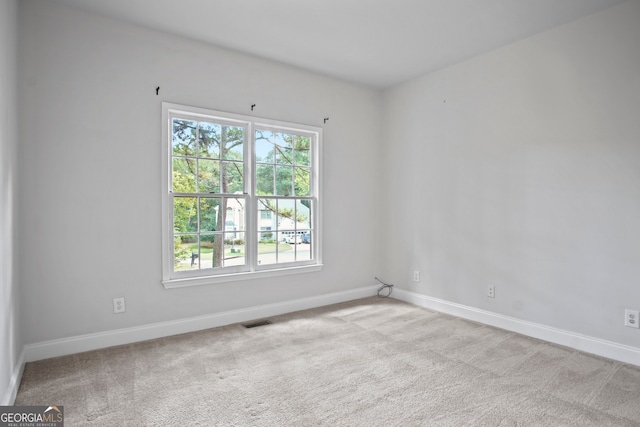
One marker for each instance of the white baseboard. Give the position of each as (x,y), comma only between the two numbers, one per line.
(608,349)
(12,390)
(78,344)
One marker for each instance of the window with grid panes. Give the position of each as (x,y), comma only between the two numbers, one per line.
(241,197)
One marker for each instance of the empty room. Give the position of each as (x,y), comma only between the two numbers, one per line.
(305,213)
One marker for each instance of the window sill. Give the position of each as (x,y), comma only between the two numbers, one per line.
(235,277)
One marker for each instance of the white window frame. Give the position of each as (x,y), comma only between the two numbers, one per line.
(251,270)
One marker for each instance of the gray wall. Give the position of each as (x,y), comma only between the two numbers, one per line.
(521,169)
(90,170)
(10,340)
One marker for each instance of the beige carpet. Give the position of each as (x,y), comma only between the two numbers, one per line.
(372,362)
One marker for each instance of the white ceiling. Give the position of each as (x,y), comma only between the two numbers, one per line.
(377,43)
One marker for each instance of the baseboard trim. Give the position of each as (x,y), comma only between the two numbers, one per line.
(604,348)
(80,343)
(12,390)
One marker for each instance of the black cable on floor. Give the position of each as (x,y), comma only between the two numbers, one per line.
(381,290)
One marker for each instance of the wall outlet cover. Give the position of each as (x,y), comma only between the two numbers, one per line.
(631,318)
(118,305)
(491,291)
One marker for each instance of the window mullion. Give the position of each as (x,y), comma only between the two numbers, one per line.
(251,239)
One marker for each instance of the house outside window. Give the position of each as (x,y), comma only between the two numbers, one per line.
(239,193)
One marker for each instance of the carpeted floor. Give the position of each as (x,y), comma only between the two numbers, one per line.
(372,362)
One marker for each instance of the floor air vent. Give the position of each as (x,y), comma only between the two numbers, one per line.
(257,323)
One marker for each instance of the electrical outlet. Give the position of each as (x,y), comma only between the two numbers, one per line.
(416,276)
(631,318)
(118,305)
(491,291)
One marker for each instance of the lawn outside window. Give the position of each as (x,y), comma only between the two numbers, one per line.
(241,197)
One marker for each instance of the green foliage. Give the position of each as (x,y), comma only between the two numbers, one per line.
(185,214)
(284,164)
(209,214)
(234,242)
(209,140)
(179,251)
(184,137)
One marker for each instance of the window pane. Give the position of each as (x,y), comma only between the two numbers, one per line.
(183,179)
(209,138)
(266,252)
(211,250)
(302,176)
(284,149)
(234,249)
(286,215)
(184,137)
(268,205)
(303,251)
(232,143)
(302,154)
(264,180)
(185,214)
(264,146)
(232,177)
(283,180)
(286,252)
(208,176)
(270,251)
(209,208)
(185,252)
(303,214)
(266,217)
(235,214)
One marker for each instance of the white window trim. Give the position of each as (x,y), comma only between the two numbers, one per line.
(253,271)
